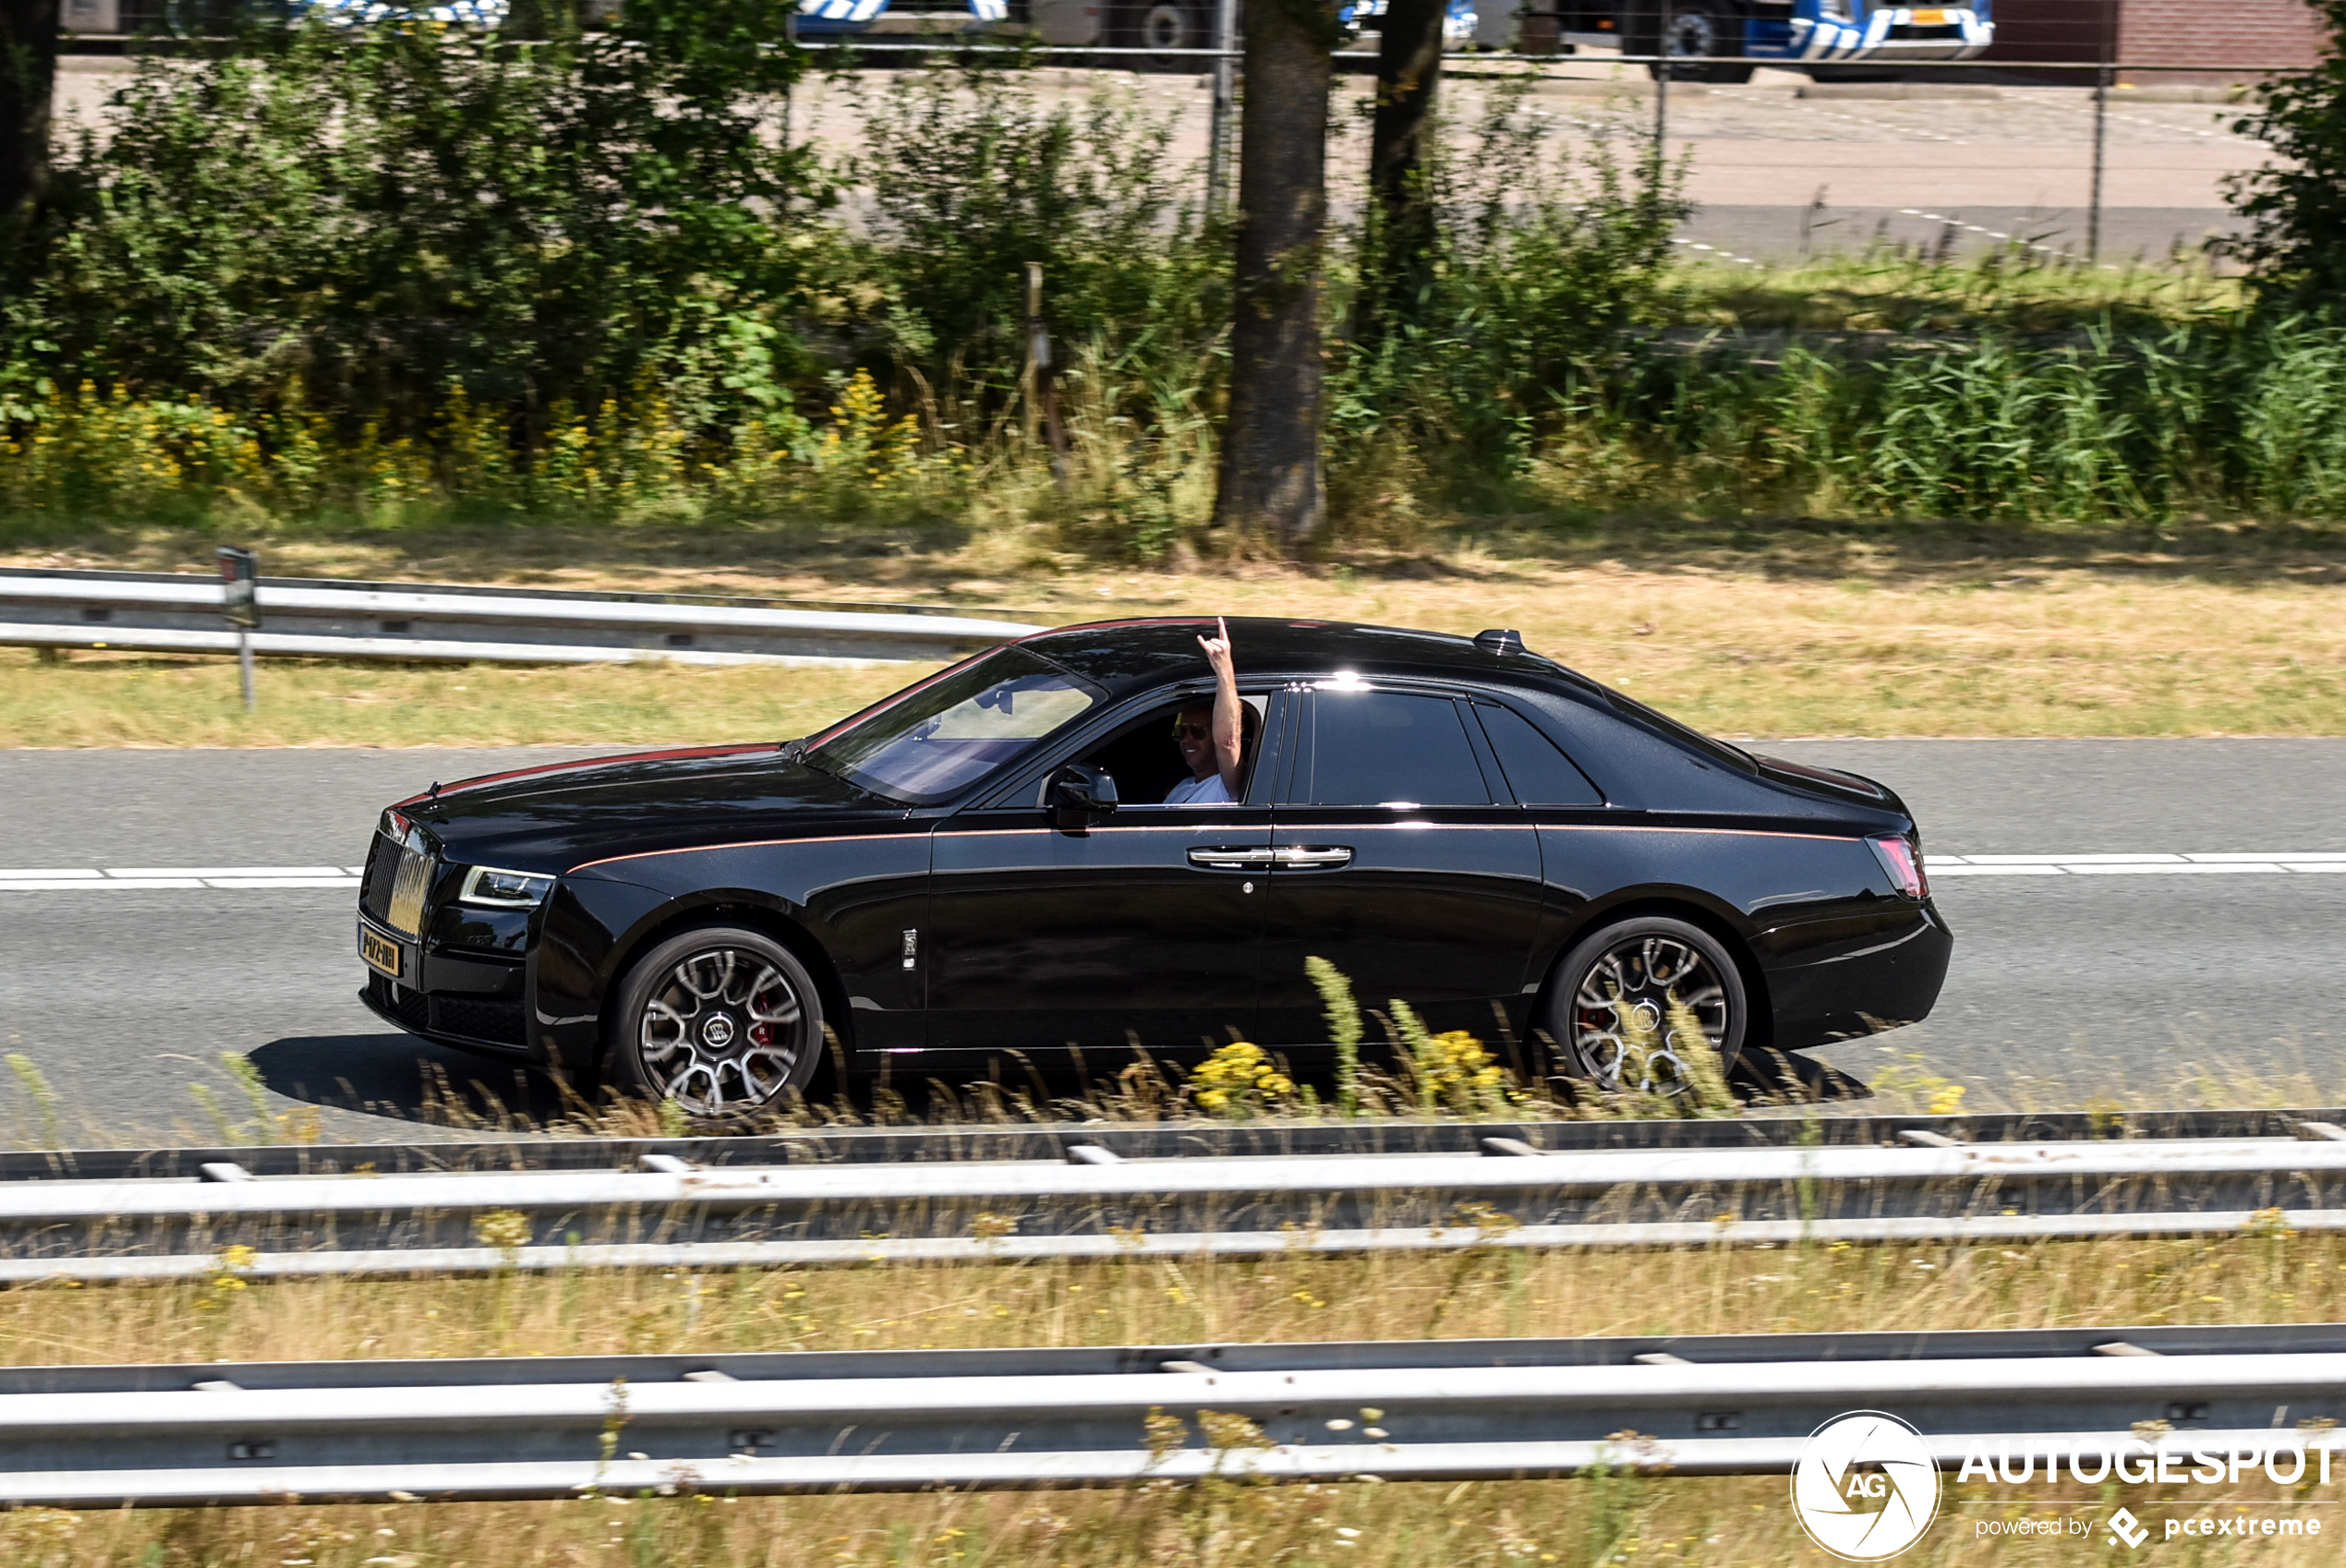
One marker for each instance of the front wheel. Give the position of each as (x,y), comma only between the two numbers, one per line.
(723,1020)
(1630,1001)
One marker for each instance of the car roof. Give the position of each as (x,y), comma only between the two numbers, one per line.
(1125,654)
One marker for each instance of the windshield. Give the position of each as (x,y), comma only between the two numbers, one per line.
(946,736)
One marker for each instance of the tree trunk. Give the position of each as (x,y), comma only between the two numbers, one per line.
(28,80)
(1272,485)
(1409,71)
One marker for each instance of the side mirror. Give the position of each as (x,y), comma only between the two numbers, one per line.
(1079,790)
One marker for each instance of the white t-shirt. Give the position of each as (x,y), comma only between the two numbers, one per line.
(1206,791)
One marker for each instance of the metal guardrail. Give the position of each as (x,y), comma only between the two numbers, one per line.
(546,1427)
(1151,1140)
(1098,1205)
(172,612)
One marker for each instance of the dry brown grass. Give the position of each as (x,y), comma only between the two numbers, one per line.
(1786,634)
(1630,1521)
(1483,1292)
(1619,1519)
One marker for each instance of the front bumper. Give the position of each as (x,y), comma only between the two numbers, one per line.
(477,1003)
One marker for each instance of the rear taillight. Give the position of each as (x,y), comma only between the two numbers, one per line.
(1903,860)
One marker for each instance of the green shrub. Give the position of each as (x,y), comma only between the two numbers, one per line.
(361,221)
(969,179)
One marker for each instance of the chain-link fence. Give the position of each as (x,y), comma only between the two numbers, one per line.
(2098,159)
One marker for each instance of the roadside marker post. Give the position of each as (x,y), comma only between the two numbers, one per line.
(239,570)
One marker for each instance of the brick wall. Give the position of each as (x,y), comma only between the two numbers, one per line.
(2247,32)
(2052,30)
(2244,32)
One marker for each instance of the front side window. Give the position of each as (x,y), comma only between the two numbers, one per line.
(1372,748)
(945,737)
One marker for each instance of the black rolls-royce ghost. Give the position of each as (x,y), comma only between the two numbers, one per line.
(980,864)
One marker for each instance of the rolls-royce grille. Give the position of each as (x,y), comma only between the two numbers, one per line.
(382,870)
(407,889)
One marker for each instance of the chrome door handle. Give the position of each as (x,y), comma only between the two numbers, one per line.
(1322,855)
(1229,858)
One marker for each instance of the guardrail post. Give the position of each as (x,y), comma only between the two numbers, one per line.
(239,575)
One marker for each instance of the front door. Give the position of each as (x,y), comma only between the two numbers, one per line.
(1400,861)
(1142,928)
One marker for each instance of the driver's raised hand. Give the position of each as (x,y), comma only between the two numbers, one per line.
(1217,650)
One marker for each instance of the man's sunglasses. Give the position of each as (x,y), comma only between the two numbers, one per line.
(1191,731)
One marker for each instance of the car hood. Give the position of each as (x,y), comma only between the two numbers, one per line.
(554,818)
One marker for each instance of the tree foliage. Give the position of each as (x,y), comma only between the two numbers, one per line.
(358,222)
(2296,202)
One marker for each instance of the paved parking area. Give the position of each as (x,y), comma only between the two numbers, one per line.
(1773,171)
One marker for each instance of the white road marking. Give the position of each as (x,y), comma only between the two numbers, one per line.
(2068,860)
(2228,863)
(207,872)
(179,879)
(133,884)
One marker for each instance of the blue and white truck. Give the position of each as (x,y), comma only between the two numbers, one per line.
(1793,33)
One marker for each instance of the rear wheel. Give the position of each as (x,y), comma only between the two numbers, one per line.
(723,1020)
(1166,24)
(1696,29)
(1630,1001)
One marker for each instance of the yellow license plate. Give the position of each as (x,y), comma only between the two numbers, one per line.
(381,952)
(1931,19)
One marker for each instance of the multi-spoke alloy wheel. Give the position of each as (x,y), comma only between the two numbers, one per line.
(723,1022)
(1633,1000)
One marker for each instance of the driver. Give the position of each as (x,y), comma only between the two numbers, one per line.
(1213,737)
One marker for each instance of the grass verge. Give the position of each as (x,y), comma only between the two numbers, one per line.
(1614,1518)
(1832,633)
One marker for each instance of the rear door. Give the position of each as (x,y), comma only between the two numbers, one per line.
(1402,860)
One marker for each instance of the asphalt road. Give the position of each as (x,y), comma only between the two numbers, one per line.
(2065,988)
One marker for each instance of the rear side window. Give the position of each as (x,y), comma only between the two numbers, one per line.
(1538,773)
(1387,749)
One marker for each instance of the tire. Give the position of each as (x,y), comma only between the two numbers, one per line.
(1646,960)
(723,1020)
(1700,28)
(1165,24)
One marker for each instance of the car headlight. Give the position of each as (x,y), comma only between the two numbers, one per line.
(488,887)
